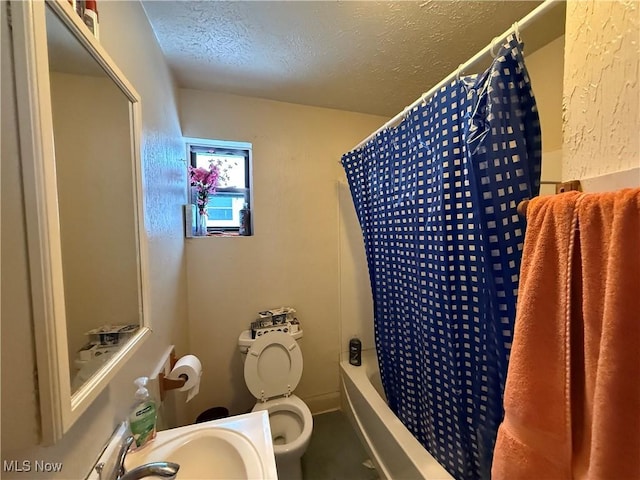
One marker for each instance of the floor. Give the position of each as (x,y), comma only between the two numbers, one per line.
(335,452)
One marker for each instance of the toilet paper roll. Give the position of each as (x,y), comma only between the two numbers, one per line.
(189,366)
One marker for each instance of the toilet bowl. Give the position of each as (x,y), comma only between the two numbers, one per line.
(272,370)
(291,425)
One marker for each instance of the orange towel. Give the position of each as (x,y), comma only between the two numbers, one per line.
(572,397)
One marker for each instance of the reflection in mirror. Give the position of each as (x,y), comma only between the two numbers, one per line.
(97,204)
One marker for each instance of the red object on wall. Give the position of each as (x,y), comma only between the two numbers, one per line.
(91,5)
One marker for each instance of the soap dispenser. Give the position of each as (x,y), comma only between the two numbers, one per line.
(143,417)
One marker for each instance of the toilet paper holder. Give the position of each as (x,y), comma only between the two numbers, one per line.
(165,384)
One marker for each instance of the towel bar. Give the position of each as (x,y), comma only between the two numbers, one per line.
(561,187)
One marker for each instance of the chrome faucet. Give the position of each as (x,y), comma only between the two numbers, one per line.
(166,470)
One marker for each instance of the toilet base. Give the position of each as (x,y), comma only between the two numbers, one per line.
(290,469)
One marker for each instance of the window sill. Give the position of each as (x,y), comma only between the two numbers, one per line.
(219,234)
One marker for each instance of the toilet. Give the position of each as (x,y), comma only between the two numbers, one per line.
(272,370)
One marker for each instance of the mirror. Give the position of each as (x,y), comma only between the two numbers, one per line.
(96,204)
(82,166)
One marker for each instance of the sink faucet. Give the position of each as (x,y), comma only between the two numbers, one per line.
(166,470)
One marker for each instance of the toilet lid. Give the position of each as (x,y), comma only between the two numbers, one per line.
(273,366)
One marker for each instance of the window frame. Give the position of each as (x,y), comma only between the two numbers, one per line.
(222,147)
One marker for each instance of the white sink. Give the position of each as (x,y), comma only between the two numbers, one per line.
(237,447)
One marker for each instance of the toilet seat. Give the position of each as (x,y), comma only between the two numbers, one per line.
(274,366)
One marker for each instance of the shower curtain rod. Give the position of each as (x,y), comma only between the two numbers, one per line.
(530,18)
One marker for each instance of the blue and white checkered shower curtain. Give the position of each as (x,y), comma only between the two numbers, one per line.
(436,199)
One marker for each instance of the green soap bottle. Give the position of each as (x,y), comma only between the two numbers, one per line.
(142,420)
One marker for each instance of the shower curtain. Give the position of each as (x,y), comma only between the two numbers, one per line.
(436,199)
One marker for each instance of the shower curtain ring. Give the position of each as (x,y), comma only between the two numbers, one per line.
(516,30)
(459,71)
(493,46)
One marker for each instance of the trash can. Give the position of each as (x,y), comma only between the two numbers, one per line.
(214,413)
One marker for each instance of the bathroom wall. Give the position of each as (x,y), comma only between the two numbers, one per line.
(127,36)
(292,258)
(356,305)
(601,90)
(19,398)
(545,67)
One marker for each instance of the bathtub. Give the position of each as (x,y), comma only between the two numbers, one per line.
(396,454)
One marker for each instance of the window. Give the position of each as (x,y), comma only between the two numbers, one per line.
(234,162)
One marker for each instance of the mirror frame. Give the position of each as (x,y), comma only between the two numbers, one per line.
(59,406)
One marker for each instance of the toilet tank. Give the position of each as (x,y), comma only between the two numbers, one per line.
(245,341)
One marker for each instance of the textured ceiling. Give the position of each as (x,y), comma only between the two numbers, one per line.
(371,57)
